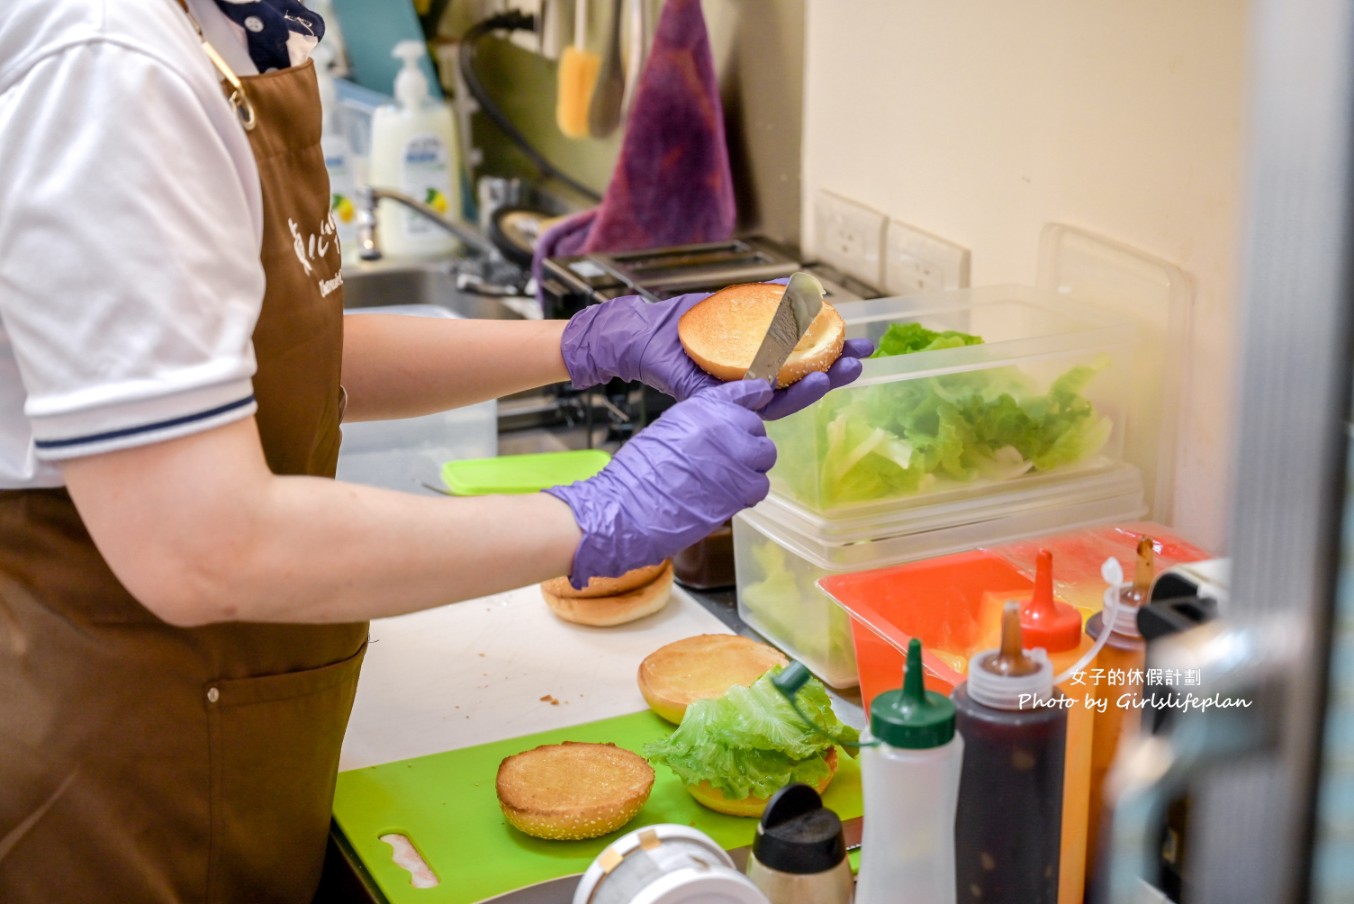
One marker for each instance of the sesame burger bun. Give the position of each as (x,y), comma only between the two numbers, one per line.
(712,798)
(611,601)
(572,791)
(700,667)
(723,332)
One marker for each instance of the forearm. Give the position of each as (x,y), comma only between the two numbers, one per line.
(233,542)
(400,366)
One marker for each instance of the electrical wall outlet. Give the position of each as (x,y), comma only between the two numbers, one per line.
(849,236)
(916,261)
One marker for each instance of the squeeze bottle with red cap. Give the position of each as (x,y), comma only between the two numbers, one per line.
(1009,823)
(1116,681)
(909,765)
(1056,628)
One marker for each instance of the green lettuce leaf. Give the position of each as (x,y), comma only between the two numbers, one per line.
(903,338)
(751,741)
(897,439)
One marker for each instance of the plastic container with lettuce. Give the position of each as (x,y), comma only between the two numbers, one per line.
(735,751)
(924,433)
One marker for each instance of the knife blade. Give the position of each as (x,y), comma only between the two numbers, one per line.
(800,304)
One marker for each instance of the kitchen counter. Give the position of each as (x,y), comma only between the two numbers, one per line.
(500,667)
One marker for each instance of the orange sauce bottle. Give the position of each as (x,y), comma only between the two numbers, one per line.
(1057,628)
(1117,674)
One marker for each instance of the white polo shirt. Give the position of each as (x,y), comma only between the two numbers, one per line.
(130,225)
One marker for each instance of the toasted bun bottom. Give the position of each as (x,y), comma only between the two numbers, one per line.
(572,791)
(635,577)
(700,667)
(605,611)
(711,797)
(723,332)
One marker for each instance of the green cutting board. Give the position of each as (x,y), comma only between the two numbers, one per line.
(445,804)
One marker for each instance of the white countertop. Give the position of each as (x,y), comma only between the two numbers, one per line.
(499,667)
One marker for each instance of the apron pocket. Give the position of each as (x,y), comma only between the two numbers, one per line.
(274,756)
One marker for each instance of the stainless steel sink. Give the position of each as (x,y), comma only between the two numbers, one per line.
(384,283)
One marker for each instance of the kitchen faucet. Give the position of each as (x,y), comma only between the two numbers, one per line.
(368,227)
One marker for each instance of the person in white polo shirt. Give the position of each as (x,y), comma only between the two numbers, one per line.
(183,589)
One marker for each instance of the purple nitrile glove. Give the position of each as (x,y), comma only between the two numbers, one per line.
(635,339)
(676,481)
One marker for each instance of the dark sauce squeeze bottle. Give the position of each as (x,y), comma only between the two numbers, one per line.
(1117,685)
(1014,725)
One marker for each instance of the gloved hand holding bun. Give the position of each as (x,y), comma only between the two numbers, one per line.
(681,477)
(635,339)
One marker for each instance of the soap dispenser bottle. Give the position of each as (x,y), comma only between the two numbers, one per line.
(910,763)
(413,150)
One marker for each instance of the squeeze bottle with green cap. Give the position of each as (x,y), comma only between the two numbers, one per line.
(413,150)
(909,763)
(1007,835)
(1056,628)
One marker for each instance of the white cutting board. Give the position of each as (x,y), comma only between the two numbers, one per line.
(477,671)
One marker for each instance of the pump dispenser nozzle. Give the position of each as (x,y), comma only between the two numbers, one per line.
(411,85)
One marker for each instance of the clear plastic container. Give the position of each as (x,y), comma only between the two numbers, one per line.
(1045,392)
(782,550)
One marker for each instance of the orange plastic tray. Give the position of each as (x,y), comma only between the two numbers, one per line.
(953,603)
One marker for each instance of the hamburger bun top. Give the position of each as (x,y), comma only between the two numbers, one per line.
(723,333)
(700,667)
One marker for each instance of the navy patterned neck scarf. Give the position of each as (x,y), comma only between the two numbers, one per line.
(280,33)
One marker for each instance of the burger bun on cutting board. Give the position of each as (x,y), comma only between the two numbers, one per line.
(611,601)
(723,332)
(572,791)
(700,667)
(712,798)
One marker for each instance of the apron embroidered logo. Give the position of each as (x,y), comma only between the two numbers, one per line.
(315,246)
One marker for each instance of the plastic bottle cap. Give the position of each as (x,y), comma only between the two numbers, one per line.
(411,85)
(797,834)
(1044,622)
(913,717)
(1009,677)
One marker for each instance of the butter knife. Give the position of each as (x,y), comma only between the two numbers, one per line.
(800,304)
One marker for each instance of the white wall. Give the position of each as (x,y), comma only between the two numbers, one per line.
(981,120)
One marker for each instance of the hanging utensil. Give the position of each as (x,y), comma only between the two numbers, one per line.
(604,115)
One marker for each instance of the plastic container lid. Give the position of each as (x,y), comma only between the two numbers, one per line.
(1044,622)
(932,511)
(913,717)
(522,473)
(797,834)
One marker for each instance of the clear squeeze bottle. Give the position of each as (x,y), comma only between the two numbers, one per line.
(909,763)
(1056,628)
(1009,823)
(1116,680)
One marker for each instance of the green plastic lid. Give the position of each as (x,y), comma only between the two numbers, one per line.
(521,473)
(912,717)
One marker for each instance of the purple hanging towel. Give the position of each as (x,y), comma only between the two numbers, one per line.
(672,184)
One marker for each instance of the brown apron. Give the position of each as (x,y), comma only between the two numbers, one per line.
(143,762)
